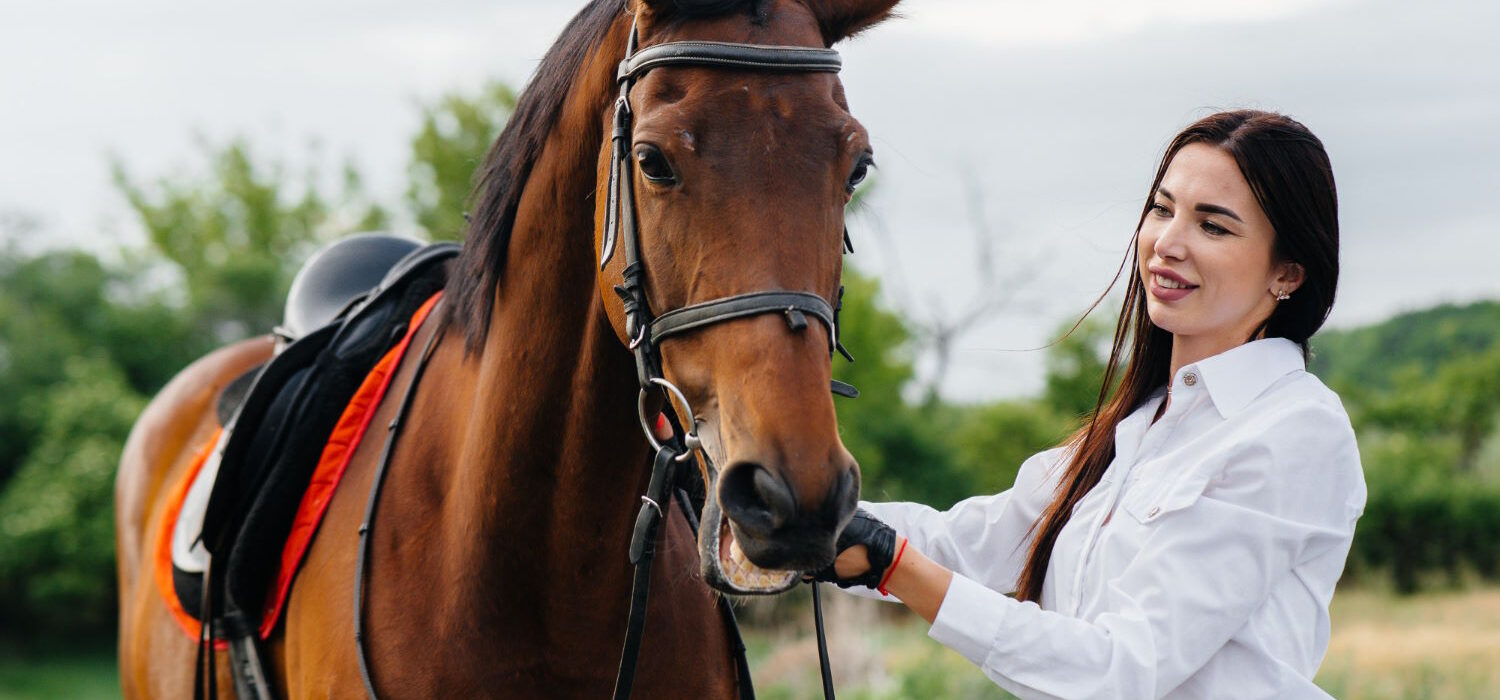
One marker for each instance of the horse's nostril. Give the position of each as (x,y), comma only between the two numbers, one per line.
(777,497)
(757,500)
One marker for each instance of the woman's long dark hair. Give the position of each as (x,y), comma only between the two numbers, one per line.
(1292,180)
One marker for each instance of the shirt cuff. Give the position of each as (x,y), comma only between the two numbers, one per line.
(969,620)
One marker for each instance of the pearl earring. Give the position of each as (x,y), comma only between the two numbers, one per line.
(1282,295)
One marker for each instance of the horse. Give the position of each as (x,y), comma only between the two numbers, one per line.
(497,561)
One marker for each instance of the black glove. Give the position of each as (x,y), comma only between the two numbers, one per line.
(877,537)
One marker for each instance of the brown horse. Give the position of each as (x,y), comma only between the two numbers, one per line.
(498,562)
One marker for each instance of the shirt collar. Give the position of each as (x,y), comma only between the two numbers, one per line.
(1238,375)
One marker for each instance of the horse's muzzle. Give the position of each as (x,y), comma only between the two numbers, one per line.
(770,527)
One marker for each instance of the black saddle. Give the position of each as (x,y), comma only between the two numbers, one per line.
(332,279)
(281,414)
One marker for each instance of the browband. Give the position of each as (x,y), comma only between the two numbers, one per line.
(728,55)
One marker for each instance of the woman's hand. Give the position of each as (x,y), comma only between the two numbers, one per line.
(852,561)
(872,554)
(867,548)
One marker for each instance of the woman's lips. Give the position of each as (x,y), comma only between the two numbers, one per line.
(1165,294)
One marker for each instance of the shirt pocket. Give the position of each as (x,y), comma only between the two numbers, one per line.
(1153,497)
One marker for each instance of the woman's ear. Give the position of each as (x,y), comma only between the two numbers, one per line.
(841,19)
(1289,277)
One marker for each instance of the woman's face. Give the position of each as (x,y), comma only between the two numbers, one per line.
(1204,254)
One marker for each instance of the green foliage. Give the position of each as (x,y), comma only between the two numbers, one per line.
(56,515)
(62,303)
(1366,359)
(1461,399)
(991,441)
(446,153)
(237,236)
(1422,526)
(1075,367)
(898,446)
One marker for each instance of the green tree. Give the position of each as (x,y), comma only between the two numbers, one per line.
(1460,400)
(56,515)
(1075,367)
(236,237)
(898,446)
(59,304)
(456,133)
(1368,359)
(991,441)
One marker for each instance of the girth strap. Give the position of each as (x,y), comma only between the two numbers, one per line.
(717,54)
(794,304)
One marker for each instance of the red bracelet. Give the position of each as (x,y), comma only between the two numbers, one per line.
(892,569)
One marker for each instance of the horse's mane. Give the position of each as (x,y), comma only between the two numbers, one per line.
(502,177)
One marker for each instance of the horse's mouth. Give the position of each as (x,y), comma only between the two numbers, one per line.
(724,564)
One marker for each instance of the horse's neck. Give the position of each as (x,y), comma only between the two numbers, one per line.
(548,458)
(521,493)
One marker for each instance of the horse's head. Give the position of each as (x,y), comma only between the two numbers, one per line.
(739,175)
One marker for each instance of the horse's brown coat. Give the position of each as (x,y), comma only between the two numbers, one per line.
(498,554)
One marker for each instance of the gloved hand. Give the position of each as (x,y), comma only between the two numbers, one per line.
(880,542)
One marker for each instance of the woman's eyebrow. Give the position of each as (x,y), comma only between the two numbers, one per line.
(1205,208)
(1216,209)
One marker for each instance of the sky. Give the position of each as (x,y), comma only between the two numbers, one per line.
(1028,130)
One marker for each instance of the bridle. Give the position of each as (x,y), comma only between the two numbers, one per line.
(646,331)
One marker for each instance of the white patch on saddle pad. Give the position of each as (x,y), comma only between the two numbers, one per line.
(188,552)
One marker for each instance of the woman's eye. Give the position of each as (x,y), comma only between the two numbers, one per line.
(654,165)
(1214,229)
(1160,210)
(861,171)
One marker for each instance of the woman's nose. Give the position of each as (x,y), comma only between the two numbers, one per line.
(1171,240)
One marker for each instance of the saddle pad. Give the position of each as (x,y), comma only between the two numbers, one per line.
(334,460)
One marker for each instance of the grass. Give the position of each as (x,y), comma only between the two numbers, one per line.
(1384,647)
(1443,645)
(76,674)
(1432,645)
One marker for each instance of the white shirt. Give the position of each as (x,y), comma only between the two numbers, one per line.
(1231,520)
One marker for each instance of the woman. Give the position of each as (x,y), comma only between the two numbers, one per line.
(1185,542)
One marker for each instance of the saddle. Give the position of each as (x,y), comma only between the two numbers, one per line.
(278,417)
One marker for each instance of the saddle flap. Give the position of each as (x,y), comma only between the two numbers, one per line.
(230,492)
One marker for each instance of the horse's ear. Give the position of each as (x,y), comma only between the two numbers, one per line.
(842,19)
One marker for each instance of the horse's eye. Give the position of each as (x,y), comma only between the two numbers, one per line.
(861,171)
(654,165)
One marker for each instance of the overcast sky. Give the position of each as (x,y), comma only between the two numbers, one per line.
(1050,115)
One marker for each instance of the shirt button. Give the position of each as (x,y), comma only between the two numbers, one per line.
(1190,379)
(1155,509)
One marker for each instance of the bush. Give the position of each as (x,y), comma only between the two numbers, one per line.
(57,514)
(1424,523)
